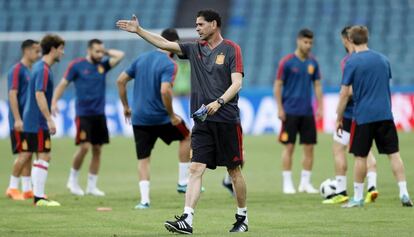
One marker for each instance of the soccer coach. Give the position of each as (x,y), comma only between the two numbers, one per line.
(216,78)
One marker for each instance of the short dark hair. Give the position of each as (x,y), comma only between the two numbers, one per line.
(50,41)
(210,15)
(170,34)
(359,35)
(345,31)
(28,43)
(94,41)
(305,33)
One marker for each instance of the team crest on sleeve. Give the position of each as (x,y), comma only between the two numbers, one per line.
(101,69)
(220,59)
(311,69)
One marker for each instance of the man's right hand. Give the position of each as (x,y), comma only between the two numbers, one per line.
(18,125)
(51,125)
(127,114)
(175,120)
(281,114)
(129,25)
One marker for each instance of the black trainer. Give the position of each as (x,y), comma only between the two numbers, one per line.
(239,225)
(228,187)
(179,225)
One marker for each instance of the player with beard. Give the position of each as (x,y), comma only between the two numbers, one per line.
(89,77)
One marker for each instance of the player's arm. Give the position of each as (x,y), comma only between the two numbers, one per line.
(277,91)
(14,106)
(42,103)
(115,56)
(122,81)
(344,95)
(167,98)
(319,97)
(158,41)
(63,84)
(236,85)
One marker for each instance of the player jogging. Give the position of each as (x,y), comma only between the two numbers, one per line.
(89,77)
(18,80)
(216,140)
(367,75)
(296,75)
(38,124)
(341,142)
(152,113)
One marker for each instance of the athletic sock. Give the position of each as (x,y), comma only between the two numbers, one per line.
(403,188)
(92,180)
(14,182)
(242,211)
(144,188)
(227,179)
(73,175)
(358,191)
(183,172)
(305,178)
(26,183)
(39,176)
(190,214)
(340,184)
(287,178)
(372,180)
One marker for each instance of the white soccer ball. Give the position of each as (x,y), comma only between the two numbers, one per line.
(327,188)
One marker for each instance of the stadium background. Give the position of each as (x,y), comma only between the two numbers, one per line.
(265,30)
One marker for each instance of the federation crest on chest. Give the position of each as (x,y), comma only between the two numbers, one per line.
(101,69)
(311,69)
(220,59)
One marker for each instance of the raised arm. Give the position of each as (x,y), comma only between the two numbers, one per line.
(154,39)
(115,56)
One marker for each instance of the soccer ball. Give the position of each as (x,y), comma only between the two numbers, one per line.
(327,188)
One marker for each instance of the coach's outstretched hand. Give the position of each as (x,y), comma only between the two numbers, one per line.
(129,25)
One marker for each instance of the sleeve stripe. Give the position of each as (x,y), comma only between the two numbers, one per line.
(71,66)
(175,70)
(282,66)
(238,56)
(45,77)
(16,73)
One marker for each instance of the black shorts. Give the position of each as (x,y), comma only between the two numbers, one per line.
(146,136)
(36,142)
(383,132)
(91,129)
(304,125)
(217,144)
(16,141)
(346,124)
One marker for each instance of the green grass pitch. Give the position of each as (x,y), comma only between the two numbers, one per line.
(270,212)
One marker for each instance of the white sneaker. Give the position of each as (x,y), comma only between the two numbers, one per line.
(308,188)
(75,189)
(95,192)
(289,189)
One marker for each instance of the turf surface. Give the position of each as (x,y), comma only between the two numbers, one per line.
(270,212)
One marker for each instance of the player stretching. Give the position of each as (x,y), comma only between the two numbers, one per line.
(18,80)
(367,75)
(341,142)
(38,124)
(152,113)
(216,78)
(296,74)
(89,76)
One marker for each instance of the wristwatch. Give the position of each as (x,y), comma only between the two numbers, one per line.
(220,101)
